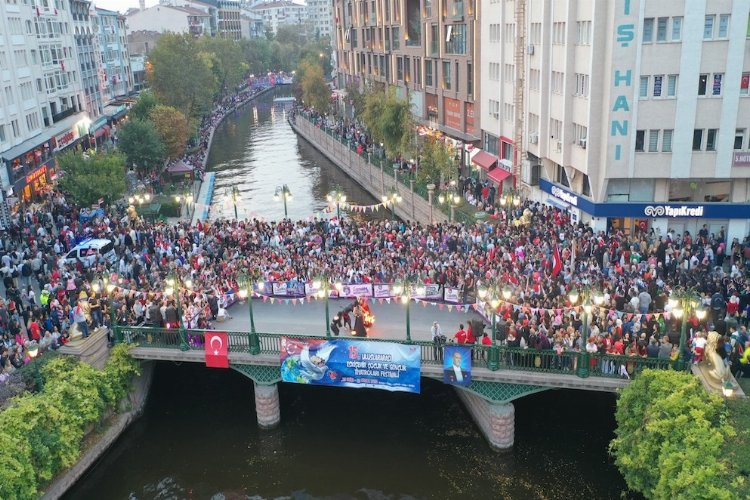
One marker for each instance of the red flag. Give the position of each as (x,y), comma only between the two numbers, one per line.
(556,262)
(217,355)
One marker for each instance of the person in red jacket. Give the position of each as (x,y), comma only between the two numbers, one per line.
(460,336)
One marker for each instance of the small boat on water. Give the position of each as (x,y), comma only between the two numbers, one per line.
(284,99)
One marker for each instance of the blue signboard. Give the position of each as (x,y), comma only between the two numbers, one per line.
(652,210)
(351,363)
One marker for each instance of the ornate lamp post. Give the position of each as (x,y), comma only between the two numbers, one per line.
(338,197)
(233,195)
(684,304)
(452,198)
(405,288)
(391,199)
(139,198)
(186,199)
(322,285)
(491,294)
(509,200)
(284,194)
(175,285)
(588,297)
(246,284)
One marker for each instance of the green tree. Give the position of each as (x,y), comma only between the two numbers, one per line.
(315,91)
(88,177)
(229,64)
(435,163)
(182,75)
(173,129)
(669,438)
(391,121)
(257,53)
(143,106)
(141,143)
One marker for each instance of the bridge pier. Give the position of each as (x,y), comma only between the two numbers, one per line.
(497,421)
(267,405)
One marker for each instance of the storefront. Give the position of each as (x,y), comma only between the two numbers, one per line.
(661,216)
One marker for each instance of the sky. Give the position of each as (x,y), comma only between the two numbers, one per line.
(121,5)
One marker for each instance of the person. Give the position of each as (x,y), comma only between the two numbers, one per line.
(665,349)
(335,327)
(438,339)
(455,374)
(460,336)
(359,322)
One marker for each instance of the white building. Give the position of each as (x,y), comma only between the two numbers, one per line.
(635,114)
(167,18)
(320,17)
(281,13)
(117,80)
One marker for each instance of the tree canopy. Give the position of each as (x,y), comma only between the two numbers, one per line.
(315,91)
(390,121)
(143,106)
(669,438)
(88,177)
(228,64)
(436,162)
(173,129)
(141,143)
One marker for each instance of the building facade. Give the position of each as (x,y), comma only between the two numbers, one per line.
(280,13)
(320,17)
(168,18)
(87,56)
(116,78)
(429,50)
(634,114)
(228,19)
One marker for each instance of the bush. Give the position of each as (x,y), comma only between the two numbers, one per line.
(41,433)
(169,206)
(670,437)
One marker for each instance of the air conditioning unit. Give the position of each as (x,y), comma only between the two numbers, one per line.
(530,50)
(582,143)
(559,146)
(533,138)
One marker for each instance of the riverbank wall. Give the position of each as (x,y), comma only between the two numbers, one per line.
(134,404)
(371,177)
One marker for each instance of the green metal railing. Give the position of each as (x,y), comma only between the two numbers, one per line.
(511,358)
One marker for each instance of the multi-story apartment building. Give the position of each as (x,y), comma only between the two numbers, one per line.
(320,17)
(117,78)
(429,50)
(85,38)
(280,13)
(228,19)
(634,114)
(168,18)
(42,99)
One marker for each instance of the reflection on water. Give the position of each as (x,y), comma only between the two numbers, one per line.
(257,151)
(198,438)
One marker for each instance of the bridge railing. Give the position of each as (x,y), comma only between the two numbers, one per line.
(505,358)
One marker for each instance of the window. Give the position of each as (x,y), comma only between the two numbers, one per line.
(434,39)
(469,79)
(508,112)
(677,29)
(708,27)
(711,139)
(739,138)
(428,73)
(494,33)
(510,33)
(494,107)
(671,85)
(744,83)
(555,129)
(640,136)
(458,77)
(580,134)
(557,82)
(446,75)
(661,29)
(535,34)
(723,26)
(643,89)
(508,73)
(399,69)
(653,141)
(648,30)
(666,141)
(702,84)
(534,79)
(455,40)
(16,129)
(583,32)
(697,139)
(2,133)
(558,33)
(582,85)
(396,33)
(658,81)
(716,89)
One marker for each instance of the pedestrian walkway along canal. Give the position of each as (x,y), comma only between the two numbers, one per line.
(199,437)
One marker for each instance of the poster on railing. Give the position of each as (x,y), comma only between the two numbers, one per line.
(452,295)
(381,291)
(360,290)
(351,363)
(278,288)
(432,291)
(457,365)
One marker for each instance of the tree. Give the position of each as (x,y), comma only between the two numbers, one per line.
(257,53)
(88,177)
(140,141)
(229,64)
(315,91)
(143,106)
(435,163)
(390,121)
(173,129)
(669,438)
(182,74)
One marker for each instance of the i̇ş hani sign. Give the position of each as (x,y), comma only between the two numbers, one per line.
(667,211)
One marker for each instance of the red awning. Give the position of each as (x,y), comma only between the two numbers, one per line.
(498,175)
(101,131)
(484,160)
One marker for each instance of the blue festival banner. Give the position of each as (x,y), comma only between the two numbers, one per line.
(457,365)
(351,363)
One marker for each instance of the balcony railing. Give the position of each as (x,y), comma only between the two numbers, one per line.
(63,115)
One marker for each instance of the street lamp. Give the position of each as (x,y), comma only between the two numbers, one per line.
(33,350)
(391,199)
(283,193)
(233,195)
(322,285)
(175,285)
(246,284)
(491,294)
(510,199)
(186,199)
(338,197)
(405,288)
(452,198)
(684,304)
(589,297)
(139,198)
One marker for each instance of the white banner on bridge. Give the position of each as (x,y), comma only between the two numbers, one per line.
(279,288)
(452,295)
(361,290)
(382,291)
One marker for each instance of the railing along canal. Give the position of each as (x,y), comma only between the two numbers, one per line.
(549,361)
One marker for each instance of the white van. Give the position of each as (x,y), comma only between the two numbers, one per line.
(88,252)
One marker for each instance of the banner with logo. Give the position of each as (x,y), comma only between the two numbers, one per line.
(351,363)
(278,288)
(381,291)
(360,290)
(452,295)
(431,292)
(457,365)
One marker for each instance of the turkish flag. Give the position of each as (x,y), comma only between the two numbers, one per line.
(216,347)
(556,262)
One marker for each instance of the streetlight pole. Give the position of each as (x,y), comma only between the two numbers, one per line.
(452,198)
(404,289)
(509,200)
(684,304)
(491,295)
(587,296)
(391,199)
(246,285)
(338,197)
(285,194)
(174,286)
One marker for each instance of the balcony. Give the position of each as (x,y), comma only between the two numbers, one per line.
(63,115)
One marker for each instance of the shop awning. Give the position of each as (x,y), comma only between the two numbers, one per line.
(484,160)
(46,135)
(101,131)
(498,175)
(180,167)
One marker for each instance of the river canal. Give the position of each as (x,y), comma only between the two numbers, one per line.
(198,438)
